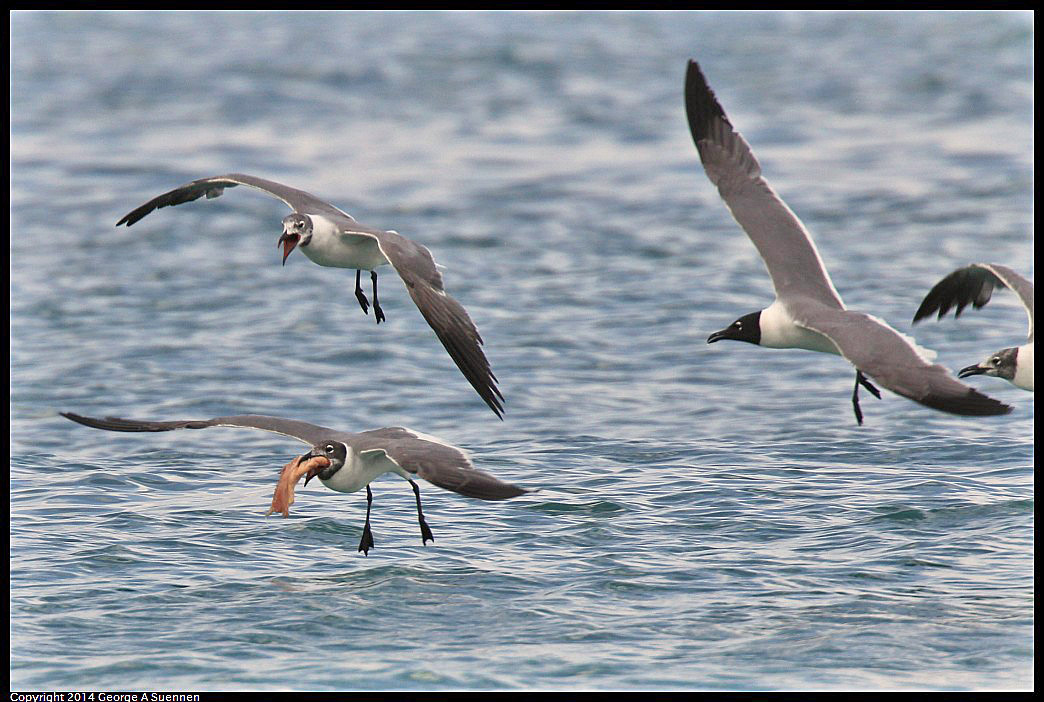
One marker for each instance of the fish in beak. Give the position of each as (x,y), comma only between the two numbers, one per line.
(314,470)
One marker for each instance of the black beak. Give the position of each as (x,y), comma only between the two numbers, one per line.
(718,336)
(970,370)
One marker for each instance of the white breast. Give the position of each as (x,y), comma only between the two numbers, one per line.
(778,331)
(359,471)
(1024,367)
(329,247)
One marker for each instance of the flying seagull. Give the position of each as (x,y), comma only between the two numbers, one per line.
(331,237)
(974,284)
(808,312)
(355,459)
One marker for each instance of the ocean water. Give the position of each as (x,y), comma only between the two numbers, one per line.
(708,517)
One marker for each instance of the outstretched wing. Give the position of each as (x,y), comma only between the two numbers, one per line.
(974,285)
(310,434)
(891,359)
(782,240)
(297,200)
(439,463)
(446,316)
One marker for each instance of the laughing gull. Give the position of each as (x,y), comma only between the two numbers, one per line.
(974,284)
(331,237)
(808,312)
(355,459)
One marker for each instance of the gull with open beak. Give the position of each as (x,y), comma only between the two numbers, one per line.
(331,237)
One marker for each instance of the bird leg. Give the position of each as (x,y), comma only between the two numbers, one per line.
(363,302)
(426,535)
(862,380)
(366,542)
(377,311)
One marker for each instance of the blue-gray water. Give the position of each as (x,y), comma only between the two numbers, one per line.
(708,516)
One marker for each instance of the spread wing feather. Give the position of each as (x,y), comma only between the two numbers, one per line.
(297,200)
(888,357)
(310,434)
(974,285)
(447,317)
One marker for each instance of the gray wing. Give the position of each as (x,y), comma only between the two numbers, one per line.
(440,464)
(782,240)
(974,285)
(447,317)
(297,200)
(310,434)
(891,359)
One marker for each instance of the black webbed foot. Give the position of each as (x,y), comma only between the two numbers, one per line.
(366,542)
(426,534)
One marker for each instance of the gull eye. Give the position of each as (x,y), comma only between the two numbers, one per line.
(995,361)
(329,448)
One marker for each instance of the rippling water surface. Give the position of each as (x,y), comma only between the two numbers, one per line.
(708,517)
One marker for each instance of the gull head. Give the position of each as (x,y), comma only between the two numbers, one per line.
(746,328)
(334,451)
(1000,365)
(297,230)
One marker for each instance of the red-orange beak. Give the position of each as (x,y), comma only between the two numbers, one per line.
(289,241)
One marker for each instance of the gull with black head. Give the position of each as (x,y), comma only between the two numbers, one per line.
(808,312)
(355,460)
(974,285)
(331,237)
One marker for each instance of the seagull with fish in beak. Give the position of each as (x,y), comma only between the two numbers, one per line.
(348,462)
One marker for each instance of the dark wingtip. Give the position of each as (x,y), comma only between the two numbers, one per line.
(972,285)
(972,404)
(938,301)
(108,423)
(701,105)
(79,419)
(134,216)
(921,312)
(489,392)
(474,366)
(134,425)
(500,491)
(497,408)
(91,422)
(495,399)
